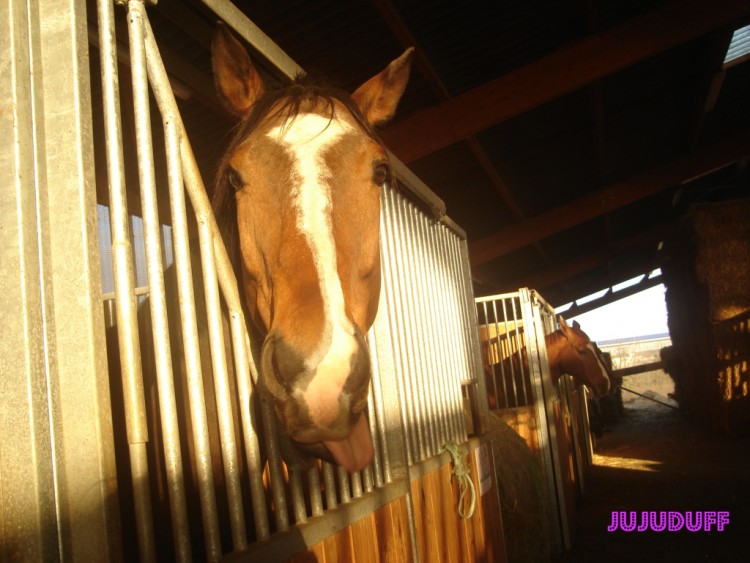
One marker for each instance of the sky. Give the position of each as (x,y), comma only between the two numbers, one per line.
(642,314)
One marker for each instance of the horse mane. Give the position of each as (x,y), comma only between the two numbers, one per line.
(282,100)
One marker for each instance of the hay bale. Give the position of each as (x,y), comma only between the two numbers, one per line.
(523,501)
(722,262)
(707,277)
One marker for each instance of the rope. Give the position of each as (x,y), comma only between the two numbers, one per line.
(650,398)
(463,476)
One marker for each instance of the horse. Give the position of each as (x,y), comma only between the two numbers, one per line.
(569,350)
(297,200)
(606,410)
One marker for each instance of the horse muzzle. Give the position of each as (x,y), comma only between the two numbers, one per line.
(321,399)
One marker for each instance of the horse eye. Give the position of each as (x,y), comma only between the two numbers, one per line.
(381,174)
(235,179)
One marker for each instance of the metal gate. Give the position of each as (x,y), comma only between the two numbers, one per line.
(551,417)
(61,497)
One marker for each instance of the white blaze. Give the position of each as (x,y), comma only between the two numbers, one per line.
(590,346)
(306,139)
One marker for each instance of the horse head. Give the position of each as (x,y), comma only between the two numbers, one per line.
(300,189)
(571,351)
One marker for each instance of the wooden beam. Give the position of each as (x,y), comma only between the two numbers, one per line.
(633,370)
(613,197)
(562,72)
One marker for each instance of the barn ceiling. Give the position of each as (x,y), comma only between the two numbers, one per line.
(566,138)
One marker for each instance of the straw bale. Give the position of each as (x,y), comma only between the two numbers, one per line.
(523,501)
(722,263)
(707,277)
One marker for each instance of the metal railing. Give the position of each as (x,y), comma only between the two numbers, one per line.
(512,330)
(423,342)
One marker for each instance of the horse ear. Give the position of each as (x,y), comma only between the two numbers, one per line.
(576,326)
(237,82)
(563,325)
(378,97)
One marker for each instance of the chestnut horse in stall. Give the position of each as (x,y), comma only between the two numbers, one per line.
(297,198)
(569,350)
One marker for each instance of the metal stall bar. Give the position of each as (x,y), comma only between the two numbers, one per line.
(544,398)
(193,184)
(449,302)
(415,394)
(29,496)
(438,340)
(130,354)
(392,273)
(59,492)
(520,338)
(157,297)
(464,303)
(432,373)
(191,346)
(580,434)
(221,386)
(246,390)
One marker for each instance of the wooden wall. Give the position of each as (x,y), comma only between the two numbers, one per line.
(441,535)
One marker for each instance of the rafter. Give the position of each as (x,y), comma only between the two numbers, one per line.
(619,274)
(564,71)
(613,296)
(610,198)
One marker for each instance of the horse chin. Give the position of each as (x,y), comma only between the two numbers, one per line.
(353,453)
(346,441)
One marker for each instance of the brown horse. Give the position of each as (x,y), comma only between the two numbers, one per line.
(569,350)
(298,198)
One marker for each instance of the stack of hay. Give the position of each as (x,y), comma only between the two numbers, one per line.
(524,504)
(707,278)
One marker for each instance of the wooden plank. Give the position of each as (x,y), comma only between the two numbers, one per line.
(337,547)
(363,541)
(567,69)
(419,509)
(433,521)
(487,522)
(467,544)
(610,198)
(316,554)
(392,530)
(633,370)
(446,503)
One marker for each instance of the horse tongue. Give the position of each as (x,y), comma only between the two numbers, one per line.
(355,451)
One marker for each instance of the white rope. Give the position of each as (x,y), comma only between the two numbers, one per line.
(463,475)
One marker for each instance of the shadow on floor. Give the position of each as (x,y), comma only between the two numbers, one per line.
(656,460)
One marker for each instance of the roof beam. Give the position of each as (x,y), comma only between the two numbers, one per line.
(595,204)
(613,296)
(562,72)
(619,275)
(406,38)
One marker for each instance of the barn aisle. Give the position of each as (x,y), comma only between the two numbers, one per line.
(656,460)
